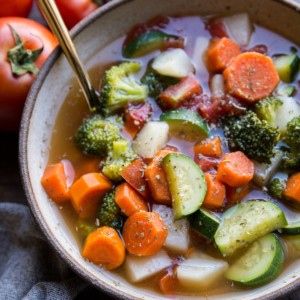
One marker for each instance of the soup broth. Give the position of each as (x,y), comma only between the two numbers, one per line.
(74,111)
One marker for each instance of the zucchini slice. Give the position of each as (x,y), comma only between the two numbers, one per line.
(185,124)
(147,42)
(205,222)
(247,222)
(291,229)
(287,66)
(261,262)
(186,183)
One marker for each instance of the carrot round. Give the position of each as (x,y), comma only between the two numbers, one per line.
(86,193)
(215,195)
(104,247)
(157,179)
(210,147)
(251,76)
(292,188)
(235,169)
(54,182)
(129,200)
(144,233)
(220,53)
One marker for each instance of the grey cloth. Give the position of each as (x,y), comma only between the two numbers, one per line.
(29,269)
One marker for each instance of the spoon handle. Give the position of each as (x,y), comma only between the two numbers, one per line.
(59,29)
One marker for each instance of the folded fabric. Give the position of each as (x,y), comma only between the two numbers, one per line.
(29,269)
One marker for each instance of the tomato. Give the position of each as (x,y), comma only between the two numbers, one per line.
(15,8)
(14,88)
(73,11)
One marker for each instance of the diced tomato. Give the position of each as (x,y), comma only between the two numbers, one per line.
(134,174)
(136,115)
(262,49)
(206,163)
(212,108)
(216,28)
(175,94)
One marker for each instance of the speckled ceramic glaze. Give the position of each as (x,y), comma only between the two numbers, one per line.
(51,87)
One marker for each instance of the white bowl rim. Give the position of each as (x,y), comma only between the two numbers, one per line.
(23,163)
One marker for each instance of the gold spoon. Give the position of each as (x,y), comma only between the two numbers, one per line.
(61,32)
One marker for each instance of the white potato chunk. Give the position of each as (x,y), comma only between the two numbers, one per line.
(197,273)
(152,137)
(239,27)
(174,63)
(264,172)
(178,238)
(139,268)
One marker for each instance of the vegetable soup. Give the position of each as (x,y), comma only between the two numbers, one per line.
(186,178)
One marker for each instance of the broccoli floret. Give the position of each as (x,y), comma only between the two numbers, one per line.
(119,157)
(119,86)
(255,137)
(96,135)
(157,83)
(85,227)
(292,139)
(266,109)
(276,188)
(109,212)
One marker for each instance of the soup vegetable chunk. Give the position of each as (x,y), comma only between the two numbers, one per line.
(186,178)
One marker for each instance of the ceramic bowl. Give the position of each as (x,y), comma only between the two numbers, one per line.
(51,87)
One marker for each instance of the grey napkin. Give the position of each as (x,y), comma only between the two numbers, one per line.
(29,269)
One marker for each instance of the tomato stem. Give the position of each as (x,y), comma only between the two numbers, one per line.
(22,59)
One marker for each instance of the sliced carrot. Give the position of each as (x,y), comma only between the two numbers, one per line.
(235,169)
(251,76)
(157,179)
(215,195)
(210,147)
(86,193)
(292,188)
(169,283)
(134,174)
(104,247)
(174,95)
(220,53)
(235,195)
(55,184)
(129,200)
(144,233)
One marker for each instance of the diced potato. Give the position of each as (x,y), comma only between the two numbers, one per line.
(240,28)
(152,137)
(264,172)
(197,273)
(178,238)
(174,63)
(140,268)
(217,86)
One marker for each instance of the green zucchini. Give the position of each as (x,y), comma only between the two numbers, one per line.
(205,222)
(146,43)
(247,222)
(186,183)
(185,124)
(287,66)
(261,262)
(292,228)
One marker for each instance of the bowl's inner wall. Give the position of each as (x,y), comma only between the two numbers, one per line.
(51,88)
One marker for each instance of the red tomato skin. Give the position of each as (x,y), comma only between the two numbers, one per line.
(14,89)
(73,11)
(15,8)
